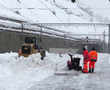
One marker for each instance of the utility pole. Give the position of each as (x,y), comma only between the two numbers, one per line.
(104,41)
(109,39)
(22,27)
(64,39)
(41,35)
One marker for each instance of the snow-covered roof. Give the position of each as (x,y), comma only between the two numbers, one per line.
(47,11)
(98,9)
(6,14)
(58,11)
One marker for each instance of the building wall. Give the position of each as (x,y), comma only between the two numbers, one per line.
(12,41)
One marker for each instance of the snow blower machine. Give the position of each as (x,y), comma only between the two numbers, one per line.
(74,63)
(29,47)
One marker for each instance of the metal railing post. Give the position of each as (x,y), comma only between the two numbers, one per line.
(109,39)
(22,27)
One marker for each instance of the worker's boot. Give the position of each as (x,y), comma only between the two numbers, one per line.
(90,70)
(42,58)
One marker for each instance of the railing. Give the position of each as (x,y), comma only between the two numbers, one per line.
(15,25)
(23,26)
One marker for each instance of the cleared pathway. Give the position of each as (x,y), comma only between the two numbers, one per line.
(73,80)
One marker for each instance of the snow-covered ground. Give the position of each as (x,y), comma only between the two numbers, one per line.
(80,81)
(20,73)
(23,73)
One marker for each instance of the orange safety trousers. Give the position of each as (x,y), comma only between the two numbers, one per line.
(85,66)
(93,59)
(91,64)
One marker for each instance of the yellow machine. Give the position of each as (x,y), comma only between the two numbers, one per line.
(29,47)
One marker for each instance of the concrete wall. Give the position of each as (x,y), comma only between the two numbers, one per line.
(12,41)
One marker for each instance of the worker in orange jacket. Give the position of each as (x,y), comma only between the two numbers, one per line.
(85,61)
(93,59)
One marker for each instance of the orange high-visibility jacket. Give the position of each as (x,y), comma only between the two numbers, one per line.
(93,54)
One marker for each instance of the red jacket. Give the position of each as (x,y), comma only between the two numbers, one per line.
(86,55)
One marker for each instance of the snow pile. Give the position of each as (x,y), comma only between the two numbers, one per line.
(20,73)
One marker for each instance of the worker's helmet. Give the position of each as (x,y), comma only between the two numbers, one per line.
(86,47)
